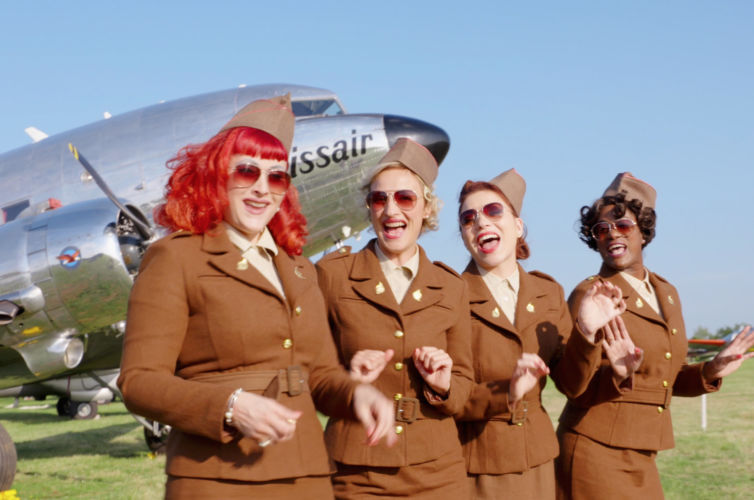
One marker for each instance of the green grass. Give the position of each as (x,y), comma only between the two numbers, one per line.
(106,458)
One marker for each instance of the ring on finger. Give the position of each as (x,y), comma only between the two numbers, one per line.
(265,443)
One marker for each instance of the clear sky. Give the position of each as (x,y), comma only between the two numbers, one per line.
(569,93)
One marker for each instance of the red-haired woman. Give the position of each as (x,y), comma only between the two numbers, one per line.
(227,338)
(521,331)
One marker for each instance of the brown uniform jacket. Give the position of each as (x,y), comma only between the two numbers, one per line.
(364,314)
(192,314)
(495,441)
(639,418)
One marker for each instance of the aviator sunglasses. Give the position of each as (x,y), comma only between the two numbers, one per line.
(245,175)
(492,211)
(603,228)
(405,199)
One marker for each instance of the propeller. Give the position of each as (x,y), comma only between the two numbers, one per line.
(144,230)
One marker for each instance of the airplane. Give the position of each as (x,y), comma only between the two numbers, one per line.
(76,217)
(706,349)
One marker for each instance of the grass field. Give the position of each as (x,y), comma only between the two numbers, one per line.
(106,458)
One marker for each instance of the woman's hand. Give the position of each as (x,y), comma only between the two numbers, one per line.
(263,419)
(529,369)
(434,366)
(730,358)
(601,303)
(376,413)
(625,358)
(367,364)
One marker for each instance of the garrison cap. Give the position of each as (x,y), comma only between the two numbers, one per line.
(513,187)
(273,116)
(632,188)
(413,156)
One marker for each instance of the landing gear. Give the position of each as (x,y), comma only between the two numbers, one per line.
(77,410)
(8,460)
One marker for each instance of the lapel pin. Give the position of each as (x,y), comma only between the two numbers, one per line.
(530,307)
(496,313)
(417,295)
(670,299)
(380,288)
(639,303)
(297,272)
(242,265)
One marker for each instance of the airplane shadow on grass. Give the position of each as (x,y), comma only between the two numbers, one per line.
(98,441)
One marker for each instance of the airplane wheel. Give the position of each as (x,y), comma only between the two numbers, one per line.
(8,460)
(64,407)
(83,410)
(157,442)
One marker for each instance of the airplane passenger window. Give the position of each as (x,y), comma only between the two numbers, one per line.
(10,212)
(321,107)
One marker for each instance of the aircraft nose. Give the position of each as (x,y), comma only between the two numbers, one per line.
(430,136)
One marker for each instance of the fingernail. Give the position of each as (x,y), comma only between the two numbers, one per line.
(739,356)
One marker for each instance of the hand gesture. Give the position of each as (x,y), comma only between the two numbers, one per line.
(376,413)
(263,419)
(625,358)
(529,369)
(434,366)
(730,358)
(601,303)
(367,364)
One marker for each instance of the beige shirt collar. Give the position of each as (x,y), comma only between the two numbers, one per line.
(503,290)
(398,277)
(644,288)
(266,241)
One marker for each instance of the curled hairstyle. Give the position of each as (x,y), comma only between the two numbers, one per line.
(646,217)
(522,248)
(197,195)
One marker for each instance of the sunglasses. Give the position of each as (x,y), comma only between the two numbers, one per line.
(245,175)
(603,228)
(405,199)
(492,211)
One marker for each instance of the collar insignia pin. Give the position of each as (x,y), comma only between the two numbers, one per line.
(242,265)
(417,295)
(496,313)
(670,299)
(380,288)
(639,303)
(530,307)
(297,272)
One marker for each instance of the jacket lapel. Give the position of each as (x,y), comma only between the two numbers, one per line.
(668,300)
(634,303)
(224,256)
(483,304)
(426,287)
(369,282)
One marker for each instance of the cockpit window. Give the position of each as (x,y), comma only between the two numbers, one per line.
(321,107)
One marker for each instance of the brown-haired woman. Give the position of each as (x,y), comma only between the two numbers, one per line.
(521,331)
(610,435)
(388,302)
(227,338)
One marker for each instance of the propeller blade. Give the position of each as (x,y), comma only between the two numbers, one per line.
(144,230)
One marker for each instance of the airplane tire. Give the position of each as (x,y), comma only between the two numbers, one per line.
(8,460)
(83,410)
(64,407)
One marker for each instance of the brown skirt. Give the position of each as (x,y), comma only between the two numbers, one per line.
(537,483)
(587,469)
(439,479)
(315,487)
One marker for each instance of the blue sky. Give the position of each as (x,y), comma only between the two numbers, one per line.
(568,93)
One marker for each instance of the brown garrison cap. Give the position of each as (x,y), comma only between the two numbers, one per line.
(513,187)
(633,188)
(413,156)
(273,116)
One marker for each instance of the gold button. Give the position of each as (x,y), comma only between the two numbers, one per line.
(674,331)
(287,343)
(397,396)
(664,383)
(398,334)
(668,355)
(398,429)
(659,409)
(297,310)
(519,424)
(399,366)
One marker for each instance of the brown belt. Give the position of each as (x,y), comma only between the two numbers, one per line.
(648,396)
(408,409)
(291,380)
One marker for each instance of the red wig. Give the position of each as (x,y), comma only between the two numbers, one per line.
(196,194)
(522,248)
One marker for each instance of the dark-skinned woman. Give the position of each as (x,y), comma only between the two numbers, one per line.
(521,331)
(610,435)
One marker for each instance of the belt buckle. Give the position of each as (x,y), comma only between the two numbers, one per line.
(519,416)
(295,380)
(405,412)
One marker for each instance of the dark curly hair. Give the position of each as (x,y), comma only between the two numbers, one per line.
(645,217)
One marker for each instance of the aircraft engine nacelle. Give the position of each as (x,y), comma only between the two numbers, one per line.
(64,274)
